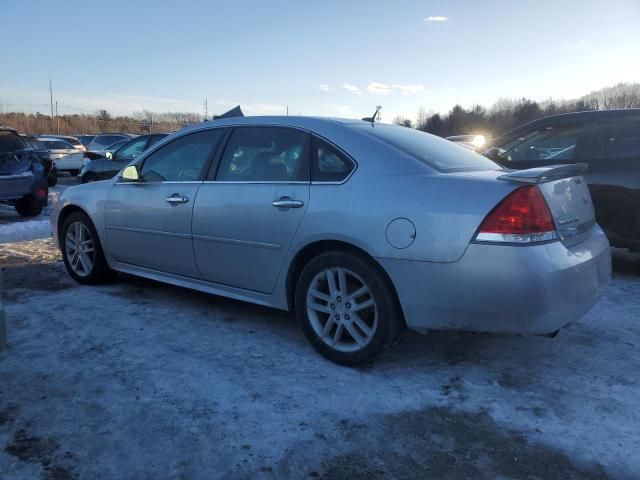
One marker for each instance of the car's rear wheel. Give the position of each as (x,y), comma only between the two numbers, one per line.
(347,308)
(82,252)
(52,178)
(29,206)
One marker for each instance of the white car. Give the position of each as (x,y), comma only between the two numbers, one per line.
(66,157)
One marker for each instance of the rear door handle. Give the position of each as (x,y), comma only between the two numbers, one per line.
(177,198)
(287,202)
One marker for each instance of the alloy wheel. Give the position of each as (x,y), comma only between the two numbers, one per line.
(79,249)
(342,309)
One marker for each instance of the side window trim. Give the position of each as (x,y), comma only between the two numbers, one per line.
(140,163)
(303,175)
(312,158)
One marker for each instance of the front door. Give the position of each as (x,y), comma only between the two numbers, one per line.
(246,215)
(149,222)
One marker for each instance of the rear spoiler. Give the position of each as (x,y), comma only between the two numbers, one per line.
(545,174)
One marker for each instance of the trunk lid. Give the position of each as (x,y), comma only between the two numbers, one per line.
(567,196)
(15,163)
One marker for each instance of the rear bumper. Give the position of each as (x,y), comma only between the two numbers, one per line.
(510,289)
(13,187)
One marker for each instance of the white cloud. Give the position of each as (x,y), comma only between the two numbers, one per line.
(377,88)
(327,88)
(409,88)
(436,18)
(352,88)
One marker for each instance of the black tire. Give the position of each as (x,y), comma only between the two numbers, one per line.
(389,322)
(74,173)
(29,206)
(89,177)
(100,271)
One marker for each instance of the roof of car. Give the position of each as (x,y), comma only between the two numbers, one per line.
(291,120)
(8,129)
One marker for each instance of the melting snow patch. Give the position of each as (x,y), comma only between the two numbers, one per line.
(27,230)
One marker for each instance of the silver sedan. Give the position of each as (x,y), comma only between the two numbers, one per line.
(362,229)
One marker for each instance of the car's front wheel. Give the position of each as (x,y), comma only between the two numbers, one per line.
(347,308)
(82,252)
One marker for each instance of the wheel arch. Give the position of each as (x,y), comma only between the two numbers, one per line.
(312,250)
(64,214)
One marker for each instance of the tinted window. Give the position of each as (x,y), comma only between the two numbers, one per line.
(155,139)
(10,142)
(86,139)
(34,143)
(433,151)
(328,164)
(181,160)
(56,144)
(263,154)
(117,145)
(623,142)
(548,144)
(131,149)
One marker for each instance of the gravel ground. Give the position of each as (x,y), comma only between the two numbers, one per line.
(142,380)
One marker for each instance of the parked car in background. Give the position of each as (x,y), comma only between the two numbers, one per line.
(360,228)
(23,179)
(472,142)
(67,158)
(608,141)
(49,164)
(102,153)
(67,138)
(106,167)
(85,139)
(104,140)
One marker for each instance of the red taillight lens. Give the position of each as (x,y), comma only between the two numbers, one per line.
(522,217)
(42,193)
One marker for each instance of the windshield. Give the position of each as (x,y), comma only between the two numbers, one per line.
(103,141)
(34,143)
(433,151)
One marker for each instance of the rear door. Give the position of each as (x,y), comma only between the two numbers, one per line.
(149,222)
(246,214)
(613,155)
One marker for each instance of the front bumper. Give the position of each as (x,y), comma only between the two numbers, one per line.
(510,289)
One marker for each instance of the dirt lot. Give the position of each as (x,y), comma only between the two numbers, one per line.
(142,380)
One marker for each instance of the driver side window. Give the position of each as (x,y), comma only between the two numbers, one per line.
(182,160)
(549,144)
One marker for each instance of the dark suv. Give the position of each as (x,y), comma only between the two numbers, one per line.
(608,141)
(23,178)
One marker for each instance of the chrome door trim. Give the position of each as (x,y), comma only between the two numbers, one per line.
(233,241)
(149,232)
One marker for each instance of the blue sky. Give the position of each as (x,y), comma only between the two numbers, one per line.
(337,58)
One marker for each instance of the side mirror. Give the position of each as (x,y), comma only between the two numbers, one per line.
(109,155)
(130,174)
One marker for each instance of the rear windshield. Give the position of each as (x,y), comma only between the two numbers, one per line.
(73,141)
(105,140)
(10,142)
(436,152)
(56,144)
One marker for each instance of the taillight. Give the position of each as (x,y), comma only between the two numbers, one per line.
(523,217)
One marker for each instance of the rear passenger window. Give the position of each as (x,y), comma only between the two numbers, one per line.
(328,164)
(549,144)
(263,154)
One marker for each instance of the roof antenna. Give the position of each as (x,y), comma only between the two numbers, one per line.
(374,116)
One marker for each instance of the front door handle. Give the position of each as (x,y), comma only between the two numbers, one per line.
(177,198)
(287,202)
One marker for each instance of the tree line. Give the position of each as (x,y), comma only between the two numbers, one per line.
(100,122)
(507,114)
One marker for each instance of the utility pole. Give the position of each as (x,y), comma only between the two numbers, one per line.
(205,105)
(287,110)
(51,99)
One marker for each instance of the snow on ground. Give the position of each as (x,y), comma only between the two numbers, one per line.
(16,231)
(142,380)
